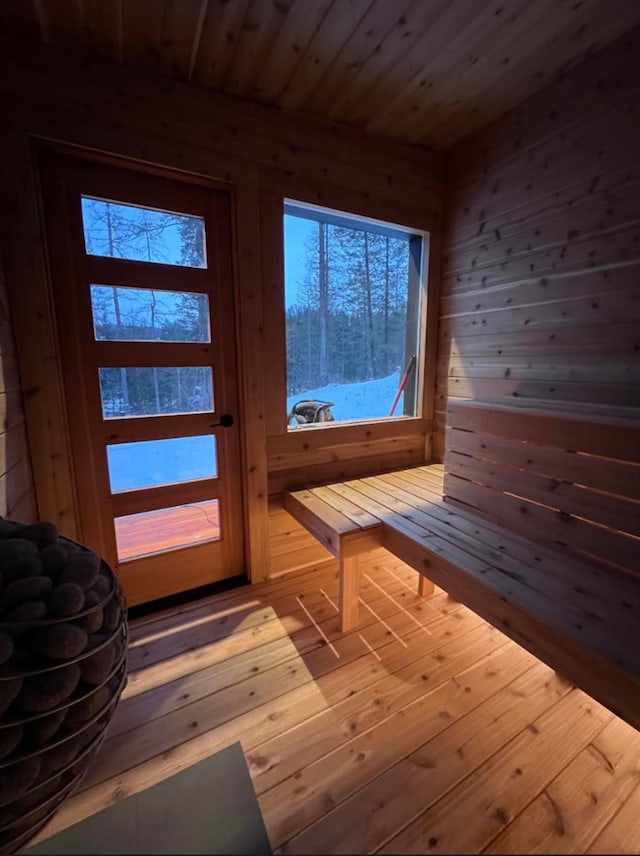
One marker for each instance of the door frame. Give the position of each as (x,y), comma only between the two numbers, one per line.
(43,151)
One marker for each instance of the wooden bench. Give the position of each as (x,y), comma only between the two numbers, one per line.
(346,529)
(537,532)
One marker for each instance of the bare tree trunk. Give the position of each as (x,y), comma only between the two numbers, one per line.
(369,303)
(386,308)
(323,301)
(154,303)
(116,308)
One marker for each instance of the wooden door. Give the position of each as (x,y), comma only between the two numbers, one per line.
(142,284)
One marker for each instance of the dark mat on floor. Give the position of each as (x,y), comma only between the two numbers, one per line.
(210,807)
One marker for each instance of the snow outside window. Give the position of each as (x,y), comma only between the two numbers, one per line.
(353,293)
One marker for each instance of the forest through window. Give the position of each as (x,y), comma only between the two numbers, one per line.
(121,313)
(353,290)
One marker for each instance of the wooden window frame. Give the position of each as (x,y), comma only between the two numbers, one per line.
(272,211)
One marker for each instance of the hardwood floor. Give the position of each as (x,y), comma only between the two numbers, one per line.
(424,730)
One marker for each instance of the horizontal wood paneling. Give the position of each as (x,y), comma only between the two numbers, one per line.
(541,264)
(432,71)
(291,547)
(17,497)
(261,155)
(532,495)
(305,456)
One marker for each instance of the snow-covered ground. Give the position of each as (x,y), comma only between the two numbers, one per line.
(367,400)
(157,462)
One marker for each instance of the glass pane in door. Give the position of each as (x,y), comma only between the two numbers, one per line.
(155,391)
(166,529)
(151,463)
(117,230)
(124,314)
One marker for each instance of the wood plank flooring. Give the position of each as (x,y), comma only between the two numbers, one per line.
(424,730)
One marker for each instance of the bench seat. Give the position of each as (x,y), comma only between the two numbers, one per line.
(577,610)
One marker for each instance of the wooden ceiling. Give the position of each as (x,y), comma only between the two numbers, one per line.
(427,71)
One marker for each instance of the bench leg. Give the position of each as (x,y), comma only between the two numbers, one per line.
(425,586)
(349,592)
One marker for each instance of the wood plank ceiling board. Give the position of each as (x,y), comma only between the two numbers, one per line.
(363,42)
(261,26)
(103,26)
(585,29)
(220,33)
(520,33)
(427,71)
(144,23)
(181,33)
(413,85)
(340,21)
(291,42)
(409,28)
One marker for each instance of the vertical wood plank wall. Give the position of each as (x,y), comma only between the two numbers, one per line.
(264,156)
(541,265)
(17,498)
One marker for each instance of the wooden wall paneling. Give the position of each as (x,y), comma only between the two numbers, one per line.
(253,394)
(602,212)
(604,307)
(541,260)
(353,468)
(337,144)
(430,343)
(291,547)
(337,196)
(170,125)
(296,461)
(303,441)
(577,254)
(623,394)
(565,343)
(17,497)
(569,167)
(577,195)
(36,344)
(606,78)
(286,166)
(614,370)
(532,292)
(275,354)
(299,453)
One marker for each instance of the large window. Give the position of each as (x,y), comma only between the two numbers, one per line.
(353,296)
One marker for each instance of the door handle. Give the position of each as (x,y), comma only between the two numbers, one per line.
(226,421)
